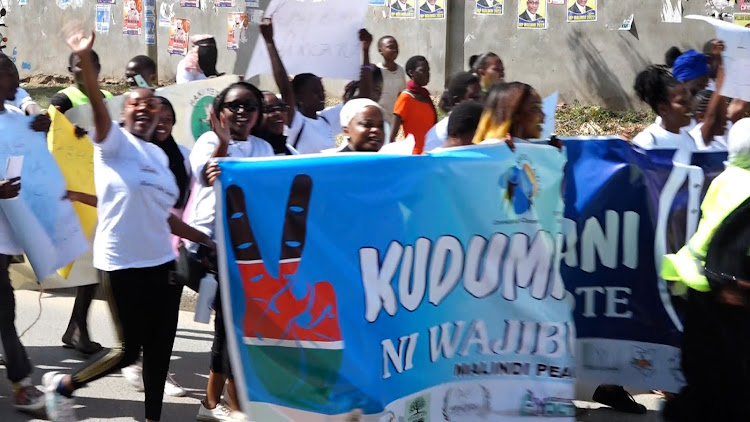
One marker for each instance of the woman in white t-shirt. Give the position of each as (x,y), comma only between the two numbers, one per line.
(135,193)
(671,101)
(237,112)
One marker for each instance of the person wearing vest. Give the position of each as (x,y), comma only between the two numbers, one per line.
(74,96)
(77,334)
(715,343)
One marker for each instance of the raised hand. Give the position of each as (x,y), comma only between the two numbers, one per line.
(365,38)
(77,40)
(212,171)
(288,322)
(266,29)
(220,127)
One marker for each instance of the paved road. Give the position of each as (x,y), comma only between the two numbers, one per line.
(112,399)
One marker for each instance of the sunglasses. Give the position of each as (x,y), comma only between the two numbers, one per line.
(151,104)
(235,106)
(277,108)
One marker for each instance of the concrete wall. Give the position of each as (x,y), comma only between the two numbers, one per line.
(589,62)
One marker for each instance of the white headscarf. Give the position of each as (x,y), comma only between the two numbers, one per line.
(354,107)
(739,144)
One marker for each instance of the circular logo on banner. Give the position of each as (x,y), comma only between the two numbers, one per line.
(198,113)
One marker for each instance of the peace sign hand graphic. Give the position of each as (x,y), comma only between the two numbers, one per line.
(293,339)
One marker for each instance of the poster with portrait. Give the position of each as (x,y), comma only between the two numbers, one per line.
(432,9)
(532,14)
(403,9)
(742,19)
(237,24)
(581,10)
(743,6)
(488,7)
(132,13)
(179,36)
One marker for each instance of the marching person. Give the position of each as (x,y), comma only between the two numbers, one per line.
(135,192)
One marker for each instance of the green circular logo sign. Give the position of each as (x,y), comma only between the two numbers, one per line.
(200,122)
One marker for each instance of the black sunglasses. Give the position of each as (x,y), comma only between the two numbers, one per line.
(235,106)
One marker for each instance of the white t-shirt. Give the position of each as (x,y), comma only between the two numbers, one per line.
(311,136)
(436,136)
(8,243)
(23,100)
(656,137)
(393,83)
(687,128)
(136,192)
(719,143)
(202,213)
(183,75)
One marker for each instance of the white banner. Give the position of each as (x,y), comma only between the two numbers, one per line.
(314,36)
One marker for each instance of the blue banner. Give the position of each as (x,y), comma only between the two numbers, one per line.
(414,288)
(624,209)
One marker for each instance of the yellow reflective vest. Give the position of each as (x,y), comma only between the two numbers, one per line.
(78,98)
(727,192)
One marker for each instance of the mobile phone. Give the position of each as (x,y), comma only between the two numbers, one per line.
(13,167)
(140,81)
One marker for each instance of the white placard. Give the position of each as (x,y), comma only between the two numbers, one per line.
(319,37)
(736,56)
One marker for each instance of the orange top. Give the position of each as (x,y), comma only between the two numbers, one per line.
(417,118)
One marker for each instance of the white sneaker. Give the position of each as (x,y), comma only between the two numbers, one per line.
(133,374)
(59,407)
(220,413)
(172,388)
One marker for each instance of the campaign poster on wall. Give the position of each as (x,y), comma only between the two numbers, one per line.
(582,11)
(532,14)
(432,9)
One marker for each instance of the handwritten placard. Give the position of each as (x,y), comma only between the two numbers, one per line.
(313,36)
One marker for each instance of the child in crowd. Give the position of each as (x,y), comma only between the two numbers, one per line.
(394,76)
(143,67)
(414,108)
(463,86)
(462,124)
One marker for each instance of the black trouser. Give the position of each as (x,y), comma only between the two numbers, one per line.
(145,305)
(16,361)
(219,351)
(715,363)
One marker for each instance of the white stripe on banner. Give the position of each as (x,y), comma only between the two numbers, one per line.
(305,344)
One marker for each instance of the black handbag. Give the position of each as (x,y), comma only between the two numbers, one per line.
(192,267)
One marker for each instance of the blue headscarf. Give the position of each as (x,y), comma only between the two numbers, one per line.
(690,65)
